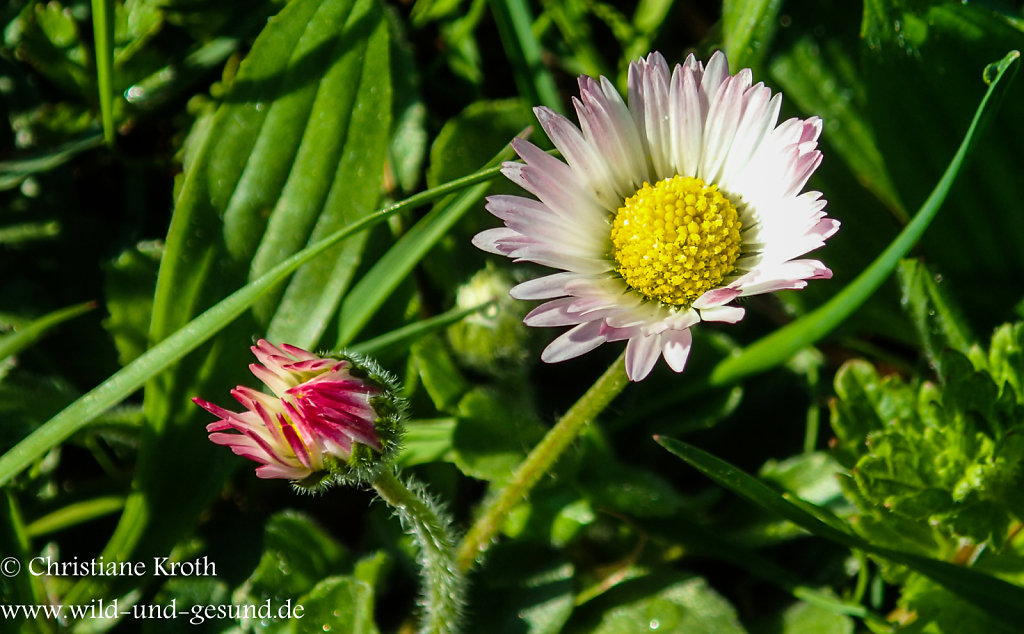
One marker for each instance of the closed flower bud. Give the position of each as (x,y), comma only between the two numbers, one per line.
(327,419)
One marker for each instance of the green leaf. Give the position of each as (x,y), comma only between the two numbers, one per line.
(809,476)
(438,374)
(938,321)
(939,611)
(297,554)
(426,441)
(607,482)
(515,27)
(801,618)
(285,162)
(1001,599)
(340,604)
(526,589)
(670,603)
(130,280)
(779,346)
(493,435)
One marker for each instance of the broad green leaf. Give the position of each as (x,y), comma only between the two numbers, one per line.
(526,588)
(130,280)
(297,554)
(938,320)
(426,441)
(939,611)
(493,435)
(294,154)
(1001,599)
(802,618)
(607,482)
(437,372)
(779,346)
(337,604)
(809,476)
(670,603)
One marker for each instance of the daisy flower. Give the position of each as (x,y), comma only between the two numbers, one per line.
(326,417)
(663,212)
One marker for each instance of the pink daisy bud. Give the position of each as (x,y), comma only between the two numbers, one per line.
(327,418)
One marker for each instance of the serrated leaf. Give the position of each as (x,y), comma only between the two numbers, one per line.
(1000,598)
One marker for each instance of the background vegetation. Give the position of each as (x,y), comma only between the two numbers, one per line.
(156,156)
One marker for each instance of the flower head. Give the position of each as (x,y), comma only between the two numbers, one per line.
(326,417)
(664,211)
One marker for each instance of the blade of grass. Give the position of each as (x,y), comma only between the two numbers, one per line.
(515,25)
(193,334)
(1001,599)
(103,45)
(779,346)
(22,338)
(74,514)
(367,295)
(13,172)
(406,335)
(747,29)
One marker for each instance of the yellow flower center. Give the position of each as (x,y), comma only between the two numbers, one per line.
(676,240)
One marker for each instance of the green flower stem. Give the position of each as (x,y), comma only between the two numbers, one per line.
(540,461)
(443,583)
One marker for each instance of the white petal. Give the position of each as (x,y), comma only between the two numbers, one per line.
(553,313)
(491,240)
(677,348)
(716,297)
(546,287)
(580,340)
(641,355)
(725,314)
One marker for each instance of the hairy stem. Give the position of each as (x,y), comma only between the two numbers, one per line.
(443,583)
(540,461)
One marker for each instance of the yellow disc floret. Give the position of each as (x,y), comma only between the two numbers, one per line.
(675,240)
